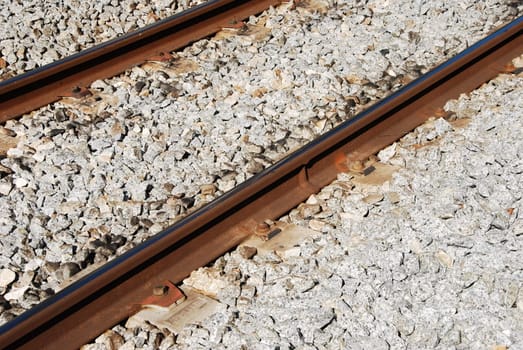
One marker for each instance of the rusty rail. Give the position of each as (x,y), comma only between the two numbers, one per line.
(72,75)
(108,295)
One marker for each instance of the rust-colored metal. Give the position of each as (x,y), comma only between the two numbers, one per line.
(262,229)
(37,88)
(162,57)
(77,92)
(236,25)
(105,297)
(164,294)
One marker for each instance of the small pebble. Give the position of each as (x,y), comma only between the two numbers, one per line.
(247,252)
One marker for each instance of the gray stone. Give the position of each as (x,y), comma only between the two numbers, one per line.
(6,277)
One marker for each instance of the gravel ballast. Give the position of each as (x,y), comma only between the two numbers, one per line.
(431,258)
(90,179)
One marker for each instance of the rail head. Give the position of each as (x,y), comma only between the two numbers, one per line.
(106,296)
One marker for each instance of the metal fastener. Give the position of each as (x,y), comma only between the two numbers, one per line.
(160,290)
(262,228)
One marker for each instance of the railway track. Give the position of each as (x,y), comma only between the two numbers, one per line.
(245,208)
(73,75)
(108,295)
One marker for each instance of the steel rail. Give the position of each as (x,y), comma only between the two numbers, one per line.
(72,75)
(105,297)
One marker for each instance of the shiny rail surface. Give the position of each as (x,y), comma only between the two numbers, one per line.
(98,301)
(72,75)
